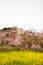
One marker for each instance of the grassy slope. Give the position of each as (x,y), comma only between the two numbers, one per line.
(21,58)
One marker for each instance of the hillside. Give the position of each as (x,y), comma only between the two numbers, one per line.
(17,38)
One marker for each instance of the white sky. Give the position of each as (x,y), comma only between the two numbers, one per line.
(21,13)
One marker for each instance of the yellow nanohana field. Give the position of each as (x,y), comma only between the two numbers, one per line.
(21,58)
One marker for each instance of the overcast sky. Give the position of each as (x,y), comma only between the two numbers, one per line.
(21,13)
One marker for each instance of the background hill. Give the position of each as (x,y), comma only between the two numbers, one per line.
(19,39)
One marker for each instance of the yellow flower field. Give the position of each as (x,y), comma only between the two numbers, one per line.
(21,58)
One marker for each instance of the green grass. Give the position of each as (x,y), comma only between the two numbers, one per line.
(21,58)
